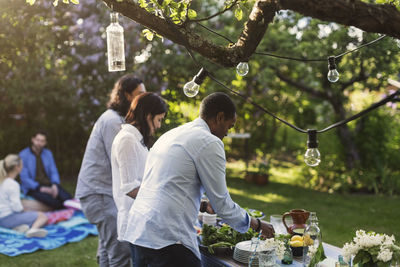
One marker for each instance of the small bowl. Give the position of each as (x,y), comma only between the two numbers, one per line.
(297,251)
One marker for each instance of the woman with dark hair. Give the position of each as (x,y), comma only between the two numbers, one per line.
(94,188)
(129,152)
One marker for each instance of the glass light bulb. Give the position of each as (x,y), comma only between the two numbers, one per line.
(333,76)
(242,68)
(191,89)
(312,157)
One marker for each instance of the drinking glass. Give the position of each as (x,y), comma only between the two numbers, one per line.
(276,221)
(267,258)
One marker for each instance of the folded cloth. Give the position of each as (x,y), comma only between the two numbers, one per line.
(59,215)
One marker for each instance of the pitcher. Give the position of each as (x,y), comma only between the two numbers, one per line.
(299,216)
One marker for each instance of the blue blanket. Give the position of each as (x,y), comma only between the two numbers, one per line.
(75,229)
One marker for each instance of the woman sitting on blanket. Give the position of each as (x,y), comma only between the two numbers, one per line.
(11,211)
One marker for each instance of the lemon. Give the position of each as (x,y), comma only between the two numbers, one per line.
(296,243)
(296,238)
(307,240)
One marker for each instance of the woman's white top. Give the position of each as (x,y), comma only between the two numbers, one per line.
(128,158)
(10,200)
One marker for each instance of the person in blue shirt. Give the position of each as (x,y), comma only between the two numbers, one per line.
(39,176)
(184,163)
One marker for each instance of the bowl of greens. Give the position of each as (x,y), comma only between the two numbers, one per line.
(222,239)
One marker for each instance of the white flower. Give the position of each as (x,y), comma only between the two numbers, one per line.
(278,245)
(385,255)
(311,251)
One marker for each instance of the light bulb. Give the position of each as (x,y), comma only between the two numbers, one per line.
(191,89)
(333,76)
(312,157)
(242,68)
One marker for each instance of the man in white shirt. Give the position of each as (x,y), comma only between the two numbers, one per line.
(184,163)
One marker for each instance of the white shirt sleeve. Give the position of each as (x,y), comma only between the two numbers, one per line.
(12,189)
(210,165)
(128,157)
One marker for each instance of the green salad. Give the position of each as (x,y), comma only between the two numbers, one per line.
(254,213)
(224,236)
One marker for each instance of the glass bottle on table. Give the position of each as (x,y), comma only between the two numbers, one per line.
(312,239)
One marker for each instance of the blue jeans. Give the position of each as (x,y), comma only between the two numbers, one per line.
(55,203)
(171,256)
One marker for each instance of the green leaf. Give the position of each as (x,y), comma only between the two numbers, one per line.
(55,3)
(148,34)
(76,2)
(239,13)
(192,14)
(31,2)
(66,1)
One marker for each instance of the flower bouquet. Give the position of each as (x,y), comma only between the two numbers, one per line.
(372,249)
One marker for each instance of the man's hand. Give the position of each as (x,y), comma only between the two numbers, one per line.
(46,189)
(267,230)
(54,191)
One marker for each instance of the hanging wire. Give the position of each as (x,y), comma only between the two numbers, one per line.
(294,58)
(390,98)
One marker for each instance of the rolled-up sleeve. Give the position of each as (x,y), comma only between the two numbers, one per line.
(210,165)
(128,158)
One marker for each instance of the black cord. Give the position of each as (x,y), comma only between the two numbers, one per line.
(390,98)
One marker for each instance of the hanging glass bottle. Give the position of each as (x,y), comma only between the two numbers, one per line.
(115,45)
(312,239)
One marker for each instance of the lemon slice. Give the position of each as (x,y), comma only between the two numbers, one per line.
(296,238)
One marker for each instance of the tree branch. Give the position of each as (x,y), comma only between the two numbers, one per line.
(309,90)
(368,17)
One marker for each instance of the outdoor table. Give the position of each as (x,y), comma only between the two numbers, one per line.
(209,260)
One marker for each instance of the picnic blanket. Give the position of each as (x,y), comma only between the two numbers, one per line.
(74,229)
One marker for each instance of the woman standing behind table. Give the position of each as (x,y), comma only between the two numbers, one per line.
(11,211)
(129,152)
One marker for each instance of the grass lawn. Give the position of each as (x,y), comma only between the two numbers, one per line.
(339,215)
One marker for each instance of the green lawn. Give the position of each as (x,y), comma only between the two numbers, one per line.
(339,215)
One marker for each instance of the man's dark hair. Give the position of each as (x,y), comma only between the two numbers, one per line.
(143,105)
(118,101)
(41,132)
(215,103)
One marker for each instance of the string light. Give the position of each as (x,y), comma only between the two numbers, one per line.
(312,157)
(333,74)
(242,68)
(191,89)
(115,45)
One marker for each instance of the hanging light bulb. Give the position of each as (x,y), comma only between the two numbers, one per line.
(333,74)
(242,68)
(312,157)
(115,45)
(191,89)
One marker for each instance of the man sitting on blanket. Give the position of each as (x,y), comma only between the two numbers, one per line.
(39,176)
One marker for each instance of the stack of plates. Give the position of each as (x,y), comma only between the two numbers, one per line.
(243,251)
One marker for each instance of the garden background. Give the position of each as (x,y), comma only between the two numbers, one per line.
(54,77)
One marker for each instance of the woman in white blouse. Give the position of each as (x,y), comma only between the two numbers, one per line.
(11,211)
(129,152)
